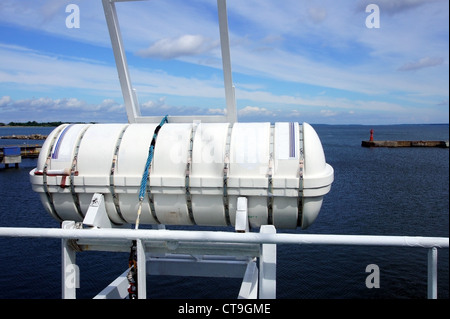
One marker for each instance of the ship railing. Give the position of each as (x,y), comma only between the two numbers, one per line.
(206,253)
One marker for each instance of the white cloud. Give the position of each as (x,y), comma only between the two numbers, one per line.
(38,71)
(217,111)
(426,62)
(66,110)
(317,14)
(4,101)
(396,6)
(48,104)
(31,68)
(52,8)
(295,113)
(185,45)
(152,106)
(328,113)
(254,111)
(160,107)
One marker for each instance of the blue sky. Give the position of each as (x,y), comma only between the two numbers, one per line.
(292,60)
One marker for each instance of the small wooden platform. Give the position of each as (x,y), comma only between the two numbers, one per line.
(441,144)
(13,154)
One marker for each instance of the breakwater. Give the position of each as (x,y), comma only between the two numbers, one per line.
(24,137)
(441,144)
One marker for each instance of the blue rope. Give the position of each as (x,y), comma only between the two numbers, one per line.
(149,160)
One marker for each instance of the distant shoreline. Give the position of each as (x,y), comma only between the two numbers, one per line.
(34,124)
(58,123)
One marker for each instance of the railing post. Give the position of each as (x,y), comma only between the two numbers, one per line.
(432,273)
(268,266)
(69,270)
(141,269)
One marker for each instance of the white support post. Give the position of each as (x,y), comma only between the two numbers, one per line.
(249,287)
(141,269)
(432,273)
(117,289)
(70,277)
(268,266)
(230,95)
(129,96)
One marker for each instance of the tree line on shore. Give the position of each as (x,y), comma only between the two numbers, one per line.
(34,123)
(31,123)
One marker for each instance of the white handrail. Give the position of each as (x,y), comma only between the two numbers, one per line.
(143,235)
(229,237)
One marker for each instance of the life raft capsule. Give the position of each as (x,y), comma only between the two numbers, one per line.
(197,173)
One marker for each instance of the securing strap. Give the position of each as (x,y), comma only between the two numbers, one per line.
(270,180)
(112,188)
(226,203)
(144,180)
(300,175)
(45,169)
(187,183)
(73,173)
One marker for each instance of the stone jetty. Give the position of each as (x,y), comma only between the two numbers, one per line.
(442,144)
(24,137)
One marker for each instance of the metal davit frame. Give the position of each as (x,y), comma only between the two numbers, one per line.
(177,253)
(129,93)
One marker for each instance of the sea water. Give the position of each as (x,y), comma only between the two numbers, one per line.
(377,191)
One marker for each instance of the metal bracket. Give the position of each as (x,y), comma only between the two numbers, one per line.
(96,215)
(242,225)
